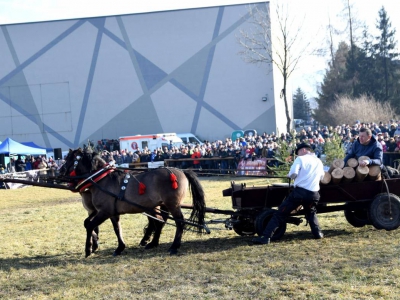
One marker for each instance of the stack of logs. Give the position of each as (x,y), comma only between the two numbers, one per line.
(338,172)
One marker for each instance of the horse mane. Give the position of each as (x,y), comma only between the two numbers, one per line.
(97,162)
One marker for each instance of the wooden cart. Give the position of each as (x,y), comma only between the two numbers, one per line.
(374,203)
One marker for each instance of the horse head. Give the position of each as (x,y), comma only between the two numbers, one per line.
(77,163)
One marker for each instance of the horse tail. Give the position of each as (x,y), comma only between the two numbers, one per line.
(198,201)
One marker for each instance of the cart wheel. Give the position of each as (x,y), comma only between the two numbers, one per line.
(262,221)
(384,211)
(357,218)
(245,226)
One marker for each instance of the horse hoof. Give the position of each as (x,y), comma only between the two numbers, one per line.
(143,243)
(94,248)
(87,254)
(116,253)
(150,246)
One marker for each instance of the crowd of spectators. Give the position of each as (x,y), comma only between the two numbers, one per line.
(257,146)
(226,154)
(28,163)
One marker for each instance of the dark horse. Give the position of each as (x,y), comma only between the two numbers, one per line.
(108,192)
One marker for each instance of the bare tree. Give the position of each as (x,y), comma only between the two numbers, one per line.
(280,47)
(366,109)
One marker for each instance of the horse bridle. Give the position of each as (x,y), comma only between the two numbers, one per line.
(76,162)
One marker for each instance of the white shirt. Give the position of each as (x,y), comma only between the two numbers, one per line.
(309,170)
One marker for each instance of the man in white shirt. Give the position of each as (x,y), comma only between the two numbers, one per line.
(307,171)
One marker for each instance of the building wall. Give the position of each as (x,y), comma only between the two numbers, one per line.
(64,82)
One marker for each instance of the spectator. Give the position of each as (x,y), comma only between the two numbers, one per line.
(196,154)
(391,145)
(185,154)
(19,164)
(159,156)
(392,130)
(366,145)
(36,163)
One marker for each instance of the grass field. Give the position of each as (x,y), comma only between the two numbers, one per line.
(42,256)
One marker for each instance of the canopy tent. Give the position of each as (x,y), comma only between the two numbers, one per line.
(33,145)
(9,146)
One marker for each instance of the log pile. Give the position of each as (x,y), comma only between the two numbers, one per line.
(352,171)
(327,178)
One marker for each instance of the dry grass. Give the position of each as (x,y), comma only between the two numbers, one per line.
(42,257)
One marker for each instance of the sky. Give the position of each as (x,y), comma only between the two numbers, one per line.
(313,15)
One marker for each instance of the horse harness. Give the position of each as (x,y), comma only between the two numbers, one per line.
(108,169)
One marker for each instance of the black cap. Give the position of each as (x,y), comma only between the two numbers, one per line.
(301,146)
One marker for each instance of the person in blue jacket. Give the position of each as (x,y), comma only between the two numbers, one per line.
(366,145)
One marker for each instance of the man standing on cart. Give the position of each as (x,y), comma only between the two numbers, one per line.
(366,145)
(307,171)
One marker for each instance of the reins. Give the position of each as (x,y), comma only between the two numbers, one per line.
(96,177)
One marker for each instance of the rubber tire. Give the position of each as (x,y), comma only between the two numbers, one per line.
(357,218)
(262,220)
(244,228)
(379,211)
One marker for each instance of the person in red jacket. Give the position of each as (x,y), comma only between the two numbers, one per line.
(36,163)
(196,154)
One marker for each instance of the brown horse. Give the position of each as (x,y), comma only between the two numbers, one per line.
(108,192)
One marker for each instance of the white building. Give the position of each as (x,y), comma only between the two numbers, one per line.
(64,82)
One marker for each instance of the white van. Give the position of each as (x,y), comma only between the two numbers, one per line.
(189,138)
(151,141)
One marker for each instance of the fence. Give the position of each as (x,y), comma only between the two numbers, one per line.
(244,167)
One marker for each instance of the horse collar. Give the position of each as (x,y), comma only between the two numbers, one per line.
(96,177)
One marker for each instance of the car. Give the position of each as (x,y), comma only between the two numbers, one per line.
(298,122)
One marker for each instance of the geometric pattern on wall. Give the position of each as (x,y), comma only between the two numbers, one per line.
(113,85)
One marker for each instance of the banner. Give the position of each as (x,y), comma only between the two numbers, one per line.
(255,167)
(155,164)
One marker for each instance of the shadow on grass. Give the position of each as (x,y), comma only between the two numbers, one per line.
(133,252)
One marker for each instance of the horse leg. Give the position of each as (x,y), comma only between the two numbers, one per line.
(148,231)
(90,225)
(158,226)
(95,238)
(95,232)
(118,233)
(178,216)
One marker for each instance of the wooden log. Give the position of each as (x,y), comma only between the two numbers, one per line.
(337,163)
(375,173)
(352,162)
(348,174)
(337,175)
(362,158)
(327,178)
(361,173)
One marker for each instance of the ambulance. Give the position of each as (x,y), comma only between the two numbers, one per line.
(151,141)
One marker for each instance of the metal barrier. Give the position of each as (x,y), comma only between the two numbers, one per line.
(391,159)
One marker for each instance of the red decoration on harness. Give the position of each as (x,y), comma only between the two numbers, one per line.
(174,181)
(73,173)
(142,188)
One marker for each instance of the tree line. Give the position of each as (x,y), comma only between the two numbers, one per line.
(366,67)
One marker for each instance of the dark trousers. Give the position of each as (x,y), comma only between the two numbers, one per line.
(297,197)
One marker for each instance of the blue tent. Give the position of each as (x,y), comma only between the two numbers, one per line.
(9,146)
(33,145)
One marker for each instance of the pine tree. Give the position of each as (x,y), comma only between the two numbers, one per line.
(334,84)
(301,106)
(384,47)
(284,156)
(333,149)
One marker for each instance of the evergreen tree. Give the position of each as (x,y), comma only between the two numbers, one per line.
(363,70)
(384,47)
(301,106)
(333,149)
(335,83)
